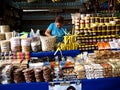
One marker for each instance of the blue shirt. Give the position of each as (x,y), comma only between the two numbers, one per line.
(58,32)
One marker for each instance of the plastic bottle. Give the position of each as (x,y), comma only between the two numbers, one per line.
(56,67)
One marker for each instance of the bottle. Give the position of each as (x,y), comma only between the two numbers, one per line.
(62,63)
(56,68)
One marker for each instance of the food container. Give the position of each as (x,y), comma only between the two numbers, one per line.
(35,44)
(8,35)
(92,19)
(114,18)
(117,21)
(110,18)
(82,23)
(5,46)
(106,20)
(117,26)
(87,23)
(15,44)
(77,27)
(108,26)
(48,43)
(4,28)
(2,36)
(101,20)
(25,43)
(104,27)
(97,19)
(100,27)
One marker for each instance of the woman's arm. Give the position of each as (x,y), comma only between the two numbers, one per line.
(47,33)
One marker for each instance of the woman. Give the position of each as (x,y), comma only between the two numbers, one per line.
(71,88)
(57,29)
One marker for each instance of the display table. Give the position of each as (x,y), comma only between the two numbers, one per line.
(25,86)
(101,84)
(86,84)
(72,53)
(93,84)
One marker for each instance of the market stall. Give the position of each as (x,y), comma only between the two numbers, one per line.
(85,57)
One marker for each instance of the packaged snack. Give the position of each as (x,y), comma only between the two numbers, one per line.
(48,43)
(15,44)
(39,74)
(47,74)
(29,75)
(18,75)
(35,44)
(5,46)
(4,28)
(2,36)
(8,35)
(25,43)
(6,74)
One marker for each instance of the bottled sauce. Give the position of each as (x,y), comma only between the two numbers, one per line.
(56,68)
(82,23)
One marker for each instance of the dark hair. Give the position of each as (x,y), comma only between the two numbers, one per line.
(71,87)
(59,19)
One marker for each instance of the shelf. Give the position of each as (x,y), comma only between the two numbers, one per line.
(66,5)
(44,17)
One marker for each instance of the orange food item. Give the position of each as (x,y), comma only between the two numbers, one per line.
(69,64)
(52,64)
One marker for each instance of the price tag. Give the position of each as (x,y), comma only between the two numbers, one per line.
(113,45)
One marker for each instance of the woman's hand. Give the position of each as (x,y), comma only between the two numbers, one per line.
(47,33)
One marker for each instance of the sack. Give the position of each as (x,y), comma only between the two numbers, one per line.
(48,43)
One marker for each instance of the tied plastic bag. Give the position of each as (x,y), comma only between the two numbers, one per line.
(48,43)
(35,42)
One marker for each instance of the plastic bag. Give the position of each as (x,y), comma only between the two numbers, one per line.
(48,43)
(35,42)
(25,43)
(5,46)
(15,44)
(4,28)
(6,74)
